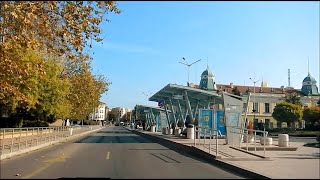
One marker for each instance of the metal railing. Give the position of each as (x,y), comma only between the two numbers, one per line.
(16,139)
(246,133)
(207,132)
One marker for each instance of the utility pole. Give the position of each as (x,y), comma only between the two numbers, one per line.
(188,67)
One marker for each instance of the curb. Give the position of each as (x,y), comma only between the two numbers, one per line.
(23,151)
(202,155)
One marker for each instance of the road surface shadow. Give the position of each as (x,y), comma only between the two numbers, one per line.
(113,139)
(115,132)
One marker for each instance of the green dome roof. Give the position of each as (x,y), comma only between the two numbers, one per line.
(309,78)
(207,72)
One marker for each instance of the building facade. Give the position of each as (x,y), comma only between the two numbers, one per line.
(99,113)
(121,113)
(263,99)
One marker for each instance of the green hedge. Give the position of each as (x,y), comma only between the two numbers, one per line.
(35,124)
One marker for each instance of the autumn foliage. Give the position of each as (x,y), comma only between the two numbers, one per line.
(45,72)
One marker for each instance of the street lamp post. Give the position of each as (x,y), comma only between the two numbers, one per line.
(189,67)
(254,92)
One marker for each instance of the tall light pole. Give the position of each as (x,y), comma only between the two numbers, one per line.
(254,92)
(188,66)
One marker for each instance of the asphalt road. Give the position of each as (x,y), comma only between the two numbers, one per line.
(112,152)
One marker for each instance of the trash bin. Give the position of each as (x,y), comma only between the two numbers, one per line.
(153,128)
(190,131)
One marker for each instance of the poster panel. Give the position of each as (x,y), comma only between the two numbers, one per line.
(221,124)
(233,112)
(206,120)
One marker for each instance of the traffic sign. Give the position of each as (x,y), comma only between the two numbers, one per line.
(161,103)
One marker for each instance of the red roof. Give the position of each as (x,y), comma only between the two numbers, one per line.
(244,89)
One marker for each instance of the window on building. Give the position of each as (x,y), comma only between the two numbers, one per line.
(267,107)
(255,107)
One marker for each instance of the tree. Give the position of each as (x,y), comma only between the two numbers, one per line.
(287,112)
(58,26)
(60,30)
(293,98)
(112,116)
(85,93)
(40,93)
(312,115)
(127,116)
(236,91)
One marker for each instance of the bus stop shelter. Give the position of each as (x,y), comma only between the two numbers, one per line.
(153,116)
(185,101)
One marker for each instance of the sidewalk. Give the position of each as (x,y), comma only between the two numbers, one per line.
(27,146)
(304,163)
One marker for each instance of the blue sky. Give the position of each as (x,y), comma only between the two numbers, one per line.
(143,45)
